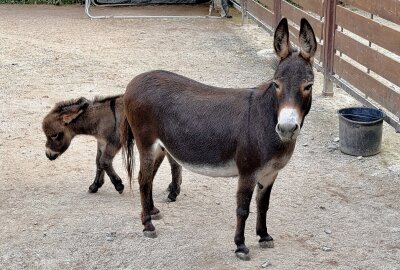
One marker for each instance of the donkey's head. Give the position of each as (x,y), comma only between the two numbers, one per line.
(56,126)
(293,78)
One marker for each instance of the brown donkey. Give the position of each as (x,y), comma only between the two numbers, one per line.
(102,119)
(250,133)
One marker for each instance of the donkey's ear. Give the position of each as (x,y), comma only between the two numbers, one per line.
(281,39)
(308,43)
(72,112)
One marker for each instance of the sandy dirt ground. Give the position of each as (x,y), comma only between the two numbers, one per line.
(328,210)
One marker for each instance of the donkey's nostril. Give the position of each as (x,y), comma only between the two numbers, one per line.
(295,128)
(278,127)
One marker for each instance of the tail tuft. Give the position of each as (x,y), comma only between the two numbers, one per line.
(127,142)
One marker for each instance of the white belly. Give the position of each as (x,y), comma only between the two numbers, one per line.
(228,169)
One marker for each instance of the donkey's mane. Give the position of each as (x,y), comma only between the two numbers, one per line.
(101,99)
(64,104)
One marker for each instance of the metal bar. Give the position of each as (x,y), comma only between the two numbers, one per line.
(88,2)
(243,9)
(329,50)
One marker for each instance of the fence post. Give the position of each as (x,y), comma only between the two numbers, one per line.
(329,39)
(243,4)
(277,12)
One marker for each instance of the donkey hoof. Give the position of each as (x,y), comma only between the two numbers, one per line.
(266,244)
(150,234)
(156,216)
(171,198)
(242,252)
(120,188)
(93,188)
(243,256)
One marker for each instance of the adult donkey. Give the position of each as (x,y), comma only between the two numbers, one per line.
(250,133)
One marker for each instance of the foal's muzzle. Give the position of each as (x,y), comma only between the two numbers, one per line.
(51,154)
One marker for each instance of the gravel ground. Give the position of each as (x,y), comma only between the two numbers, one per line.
(328,210)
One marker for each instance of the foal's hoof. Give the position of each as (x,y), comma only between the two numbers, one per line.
(171,197)
(150,234)
(242,252)
(93,188)
(120,188)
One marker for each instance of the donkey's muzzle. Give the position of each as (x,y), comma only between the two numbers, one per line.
(288,131)
(51,154)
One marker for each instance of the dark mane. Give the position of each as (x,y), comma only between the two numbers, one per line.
(65,104)
(100,99)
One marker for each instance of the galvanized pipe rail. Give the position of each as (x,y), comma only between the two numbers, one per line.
(89,2)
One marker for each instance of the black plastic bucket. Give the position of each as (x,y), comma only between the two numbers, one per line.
(360,131)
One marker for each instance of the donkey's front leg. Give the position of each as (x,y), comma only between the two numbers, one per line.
(175,187)
(146,174)
(244,193)
(263,195)
(106,163)
(99,179)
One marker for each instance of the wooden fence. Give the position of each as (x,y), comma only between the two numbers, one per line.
(358,44)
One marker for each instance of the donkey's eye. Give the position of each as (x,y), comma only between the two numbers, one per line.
(275,84)
(57,136)
(308,87)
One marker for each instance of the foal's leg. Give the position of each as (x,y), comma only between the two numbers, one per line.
(175,187)
(244,193)
(106,163)
(263,195)
(146,191)
(99,180)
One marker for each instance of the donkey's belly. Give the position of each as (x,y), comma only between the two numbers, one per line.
(227,169)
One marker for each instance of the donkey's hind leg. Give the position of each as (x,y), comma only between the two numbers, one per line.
(263,195)
(106,160)
(146,174)
(175,187)
(99,180)
(155,213)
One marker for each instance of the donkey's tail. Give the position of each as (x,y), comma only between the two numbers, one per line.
(127,142)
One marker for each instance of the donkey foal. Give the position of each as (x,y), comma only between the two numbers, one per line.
(102,119)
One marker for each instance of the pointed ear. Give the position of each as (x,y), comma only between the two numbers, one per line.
(308,43)
(73,111)
(281,39)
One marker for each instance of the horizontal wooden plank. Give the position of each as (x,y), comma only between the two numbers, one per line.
(295,14)
(387,9)
(269,4)
(260,13)
(314,6)
(374,89)
(373,31)
(377,62)
(294,38)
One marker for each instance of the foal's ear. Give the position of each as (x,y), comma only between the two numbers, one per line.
(308,43)
(73,111)
(281,39)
